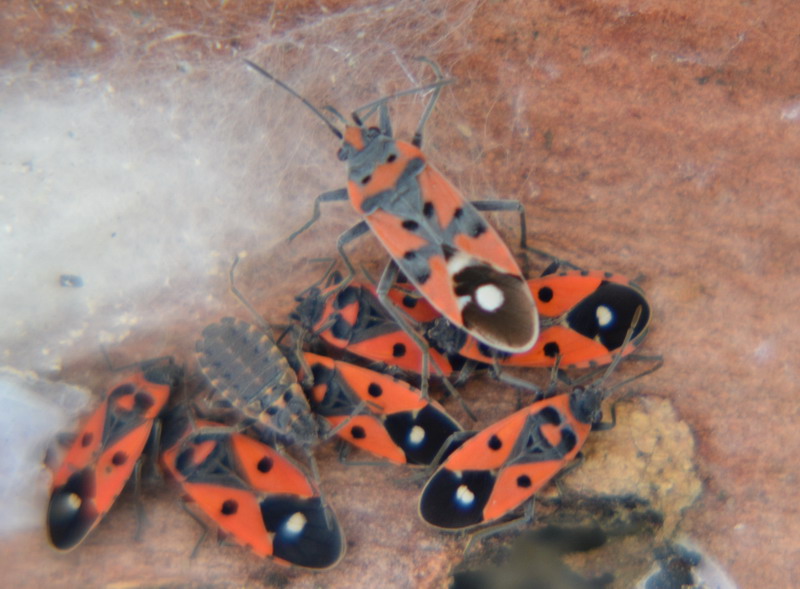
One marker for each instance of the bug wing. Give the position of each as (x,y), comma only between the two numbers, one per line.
(503,466)
(256,495)
(589,314)
(459,263)
(102,458)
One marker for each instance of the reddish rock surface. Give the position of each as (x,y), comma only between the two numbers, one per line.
(658,138)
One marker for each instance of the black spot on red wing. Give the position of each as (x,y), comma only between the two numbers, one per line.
(399,350)
(272,410)
(523,481)
(341,329)
(545,294)
(458,213)
(428,209)
(550,415)
(390,158)
(265,464)
(321,374)
(374,390)
(365,180)
(440,507)
(122,390)
(320,543)
(495,443)
(410,302)
(86,439)
(551,349)
(287,396)
(410,255)
(568,439)
(229,507)
(410,225)
(347,296)
(477,229)
(143,401)
(358,432)
(119,458)
(67,525)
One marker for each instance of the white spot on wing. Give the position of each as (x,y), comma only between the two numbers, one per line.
(604,315)
(416,435)
(464,496)
(74,501)
(489,297)
(295,524)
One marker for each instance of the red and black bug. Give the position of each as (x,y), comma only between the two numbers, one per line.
(435,236)
(585,317)
(251,492)
(378,412)
(503,466)
(352,319)
(106,451)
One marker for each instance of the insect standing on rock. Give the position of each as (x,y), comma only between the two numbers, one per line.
(435,236)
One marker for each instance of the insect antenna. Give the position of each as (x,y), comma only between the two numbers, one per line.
(297,95)
(619,355)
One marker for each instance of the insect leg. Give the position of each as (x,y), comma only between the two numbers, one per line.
(354,232)
(506,206)
(513,205)
(384,286)
(141,516)
(524,519)
(266,327)
(201,523)
(417,140)
(332,196)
